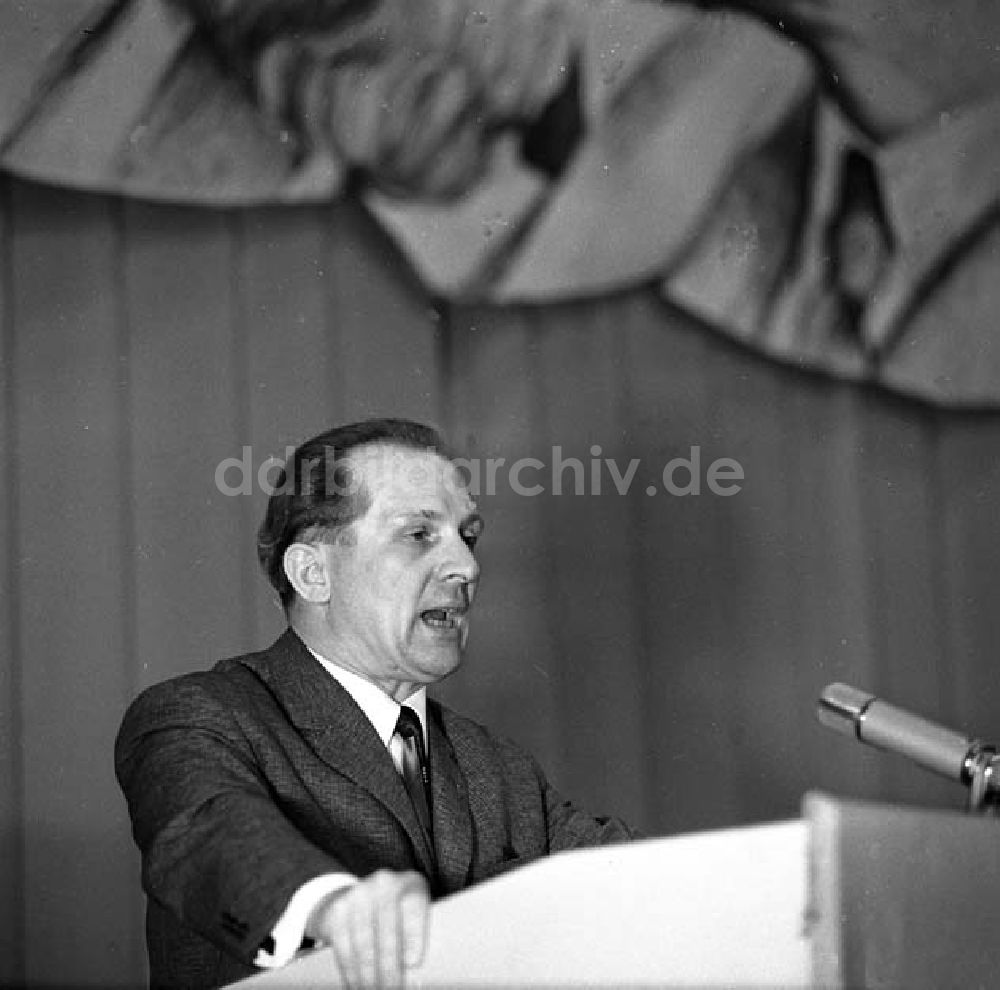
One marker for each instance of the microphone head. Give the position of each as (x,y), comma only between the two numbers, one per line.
(841,706)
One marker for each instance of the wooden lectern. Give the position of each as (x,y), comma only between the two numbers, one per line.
(903,898)
(852,895)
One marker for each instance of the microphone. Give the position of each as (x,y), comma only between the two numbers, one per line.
(967,761)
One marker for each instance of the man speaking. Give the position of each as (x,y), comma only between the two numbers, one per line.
(311,794)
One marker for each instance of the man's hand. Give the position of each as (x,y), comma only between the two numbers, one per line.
(376,927)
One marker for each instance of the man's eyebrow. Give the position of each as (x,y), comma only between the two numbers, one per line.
(435,515)
(403,514)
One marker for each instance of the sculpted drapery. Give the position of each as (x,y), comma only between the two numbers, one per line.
(818,180)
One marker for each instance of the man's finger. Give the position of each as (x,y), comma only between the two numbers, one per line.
(414,918)
(340,940)
(364,937)
(387,923)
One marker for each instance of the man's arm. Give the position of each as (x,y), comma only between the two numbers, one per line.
(566,825)
(219,853)
(410,96)
(216,849)
(571,828)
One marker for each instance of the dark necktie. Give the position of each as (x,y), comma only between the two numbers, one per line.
(416,774)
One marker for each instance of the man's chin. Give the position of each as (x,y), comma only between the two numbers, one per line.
(440,661)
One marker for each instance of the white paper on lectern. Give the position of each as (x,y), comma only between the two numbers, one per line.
(710,909)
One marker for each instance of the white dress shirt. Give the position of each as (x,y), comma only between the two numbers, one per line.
(383,713)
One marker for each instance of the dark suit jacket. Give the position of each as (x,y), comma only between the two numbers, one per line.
(245,781)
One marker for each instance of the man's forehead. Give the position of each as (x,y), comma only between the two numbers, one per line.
(406,479)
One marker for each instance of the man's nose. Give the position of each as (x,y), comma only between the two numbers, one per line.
(459,565)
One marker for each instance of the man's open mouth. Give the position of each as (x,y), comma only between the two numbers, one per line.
(443,618)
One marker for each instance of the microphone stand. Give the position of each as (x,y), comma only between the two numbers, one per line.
(981,773)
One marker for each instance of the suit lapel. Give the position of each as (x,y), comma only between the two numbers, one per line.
(336,729)
(452,815)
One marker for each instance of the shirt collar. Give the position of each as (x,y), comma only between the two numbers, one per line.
(381,710)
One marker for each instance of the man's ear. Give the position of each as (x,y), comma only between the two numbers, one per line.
(306,570)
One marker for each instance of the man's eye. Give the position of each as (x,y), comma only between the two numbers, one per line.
(418,535)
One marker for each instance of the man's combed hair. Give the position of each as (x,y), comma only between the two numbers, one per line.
(315,495)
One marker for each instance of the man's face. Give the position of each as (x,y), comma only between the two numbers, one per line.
(403,575)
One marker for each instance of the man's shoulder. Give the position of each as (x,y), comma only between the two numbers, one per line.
(226,685)
(472,740)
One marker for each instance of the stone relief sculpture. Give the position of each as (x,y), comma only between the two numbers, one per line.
(819,179)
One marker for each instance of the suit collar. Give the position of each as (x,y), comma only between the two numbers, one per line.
(336,729)
(451,811)
(381,710)
(310,698)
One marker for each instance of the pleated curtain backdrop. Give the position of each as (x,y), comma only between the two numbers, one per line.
(660,654)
